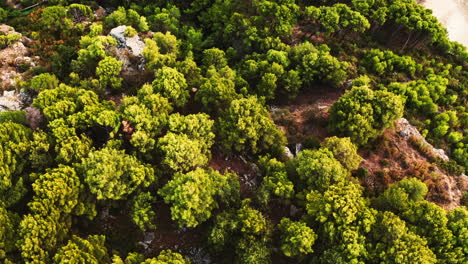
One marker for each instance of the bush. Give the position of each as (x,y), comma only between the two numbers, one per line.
(7,40)
(18,117)
(130,32)
(43,82)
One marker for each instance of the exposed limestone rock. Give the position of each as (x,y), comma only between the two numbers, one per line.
(10,101)
(12,58)
(129,51)
(119,34)
(134,43)
(405,129)
(288,153)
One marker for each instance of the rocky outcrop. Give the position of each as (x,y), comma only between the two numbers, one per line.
(405,129)
(129,50)
(10,101)
(395,157)
(12,58)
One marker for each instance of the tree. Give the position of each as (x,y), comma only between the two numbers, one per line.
(8,231)
(78,250)
(3,14)
(422,95)
(57,189)
(337,18)
(126,17)
(317,64)
(55,18)
(142,212)
(165,19)
(344,219)
(458,224)
(92,51)
(56,196)
(375,11)
(318,169)
(14,148)
(297,238)
(161,51)
(64,101)
(217,90)
(246,231)
(172,85)
(399,196)
(214,57)
(430,221)
(392,242)
(195,194)
(344,151)
(386,62)
(195,126)
(107,70)
(38,235)
(112,174)
(147,113)
(271,74)
(180,153)
(275,181)
(246,126)
(165,257)
(43,82)
(363,114)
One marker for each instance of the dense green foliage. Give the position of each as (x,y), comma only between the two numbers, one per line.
(228,131)
(362,114)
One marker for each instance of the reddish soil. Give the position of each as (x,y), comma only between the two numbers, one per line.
(392,158)
(306,116)
(238,164)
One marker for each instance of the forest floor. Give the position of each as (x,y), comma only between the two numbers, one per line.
(388,159)
(392,157)
(306,115)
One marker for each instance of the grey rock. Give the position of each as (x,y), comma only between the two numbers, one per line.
(406,128)
(10,101)
(148,237)
(119,34)
(293,210)
(288,153)
(135,44)
(298,148)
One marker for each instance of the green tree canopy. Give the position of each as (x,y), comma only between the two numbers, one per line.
(147,114)
(91,250)
(172,85)
(297,238)
(392,242)
(142,212)
(363,114)
(43,82)
(108,70)
(195,194)
(275,181)
(344,219)
(8,231)
(246,231)
(181,153)
(318,169)
(399,196)
(344,151)
(246,126)
(112,174)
